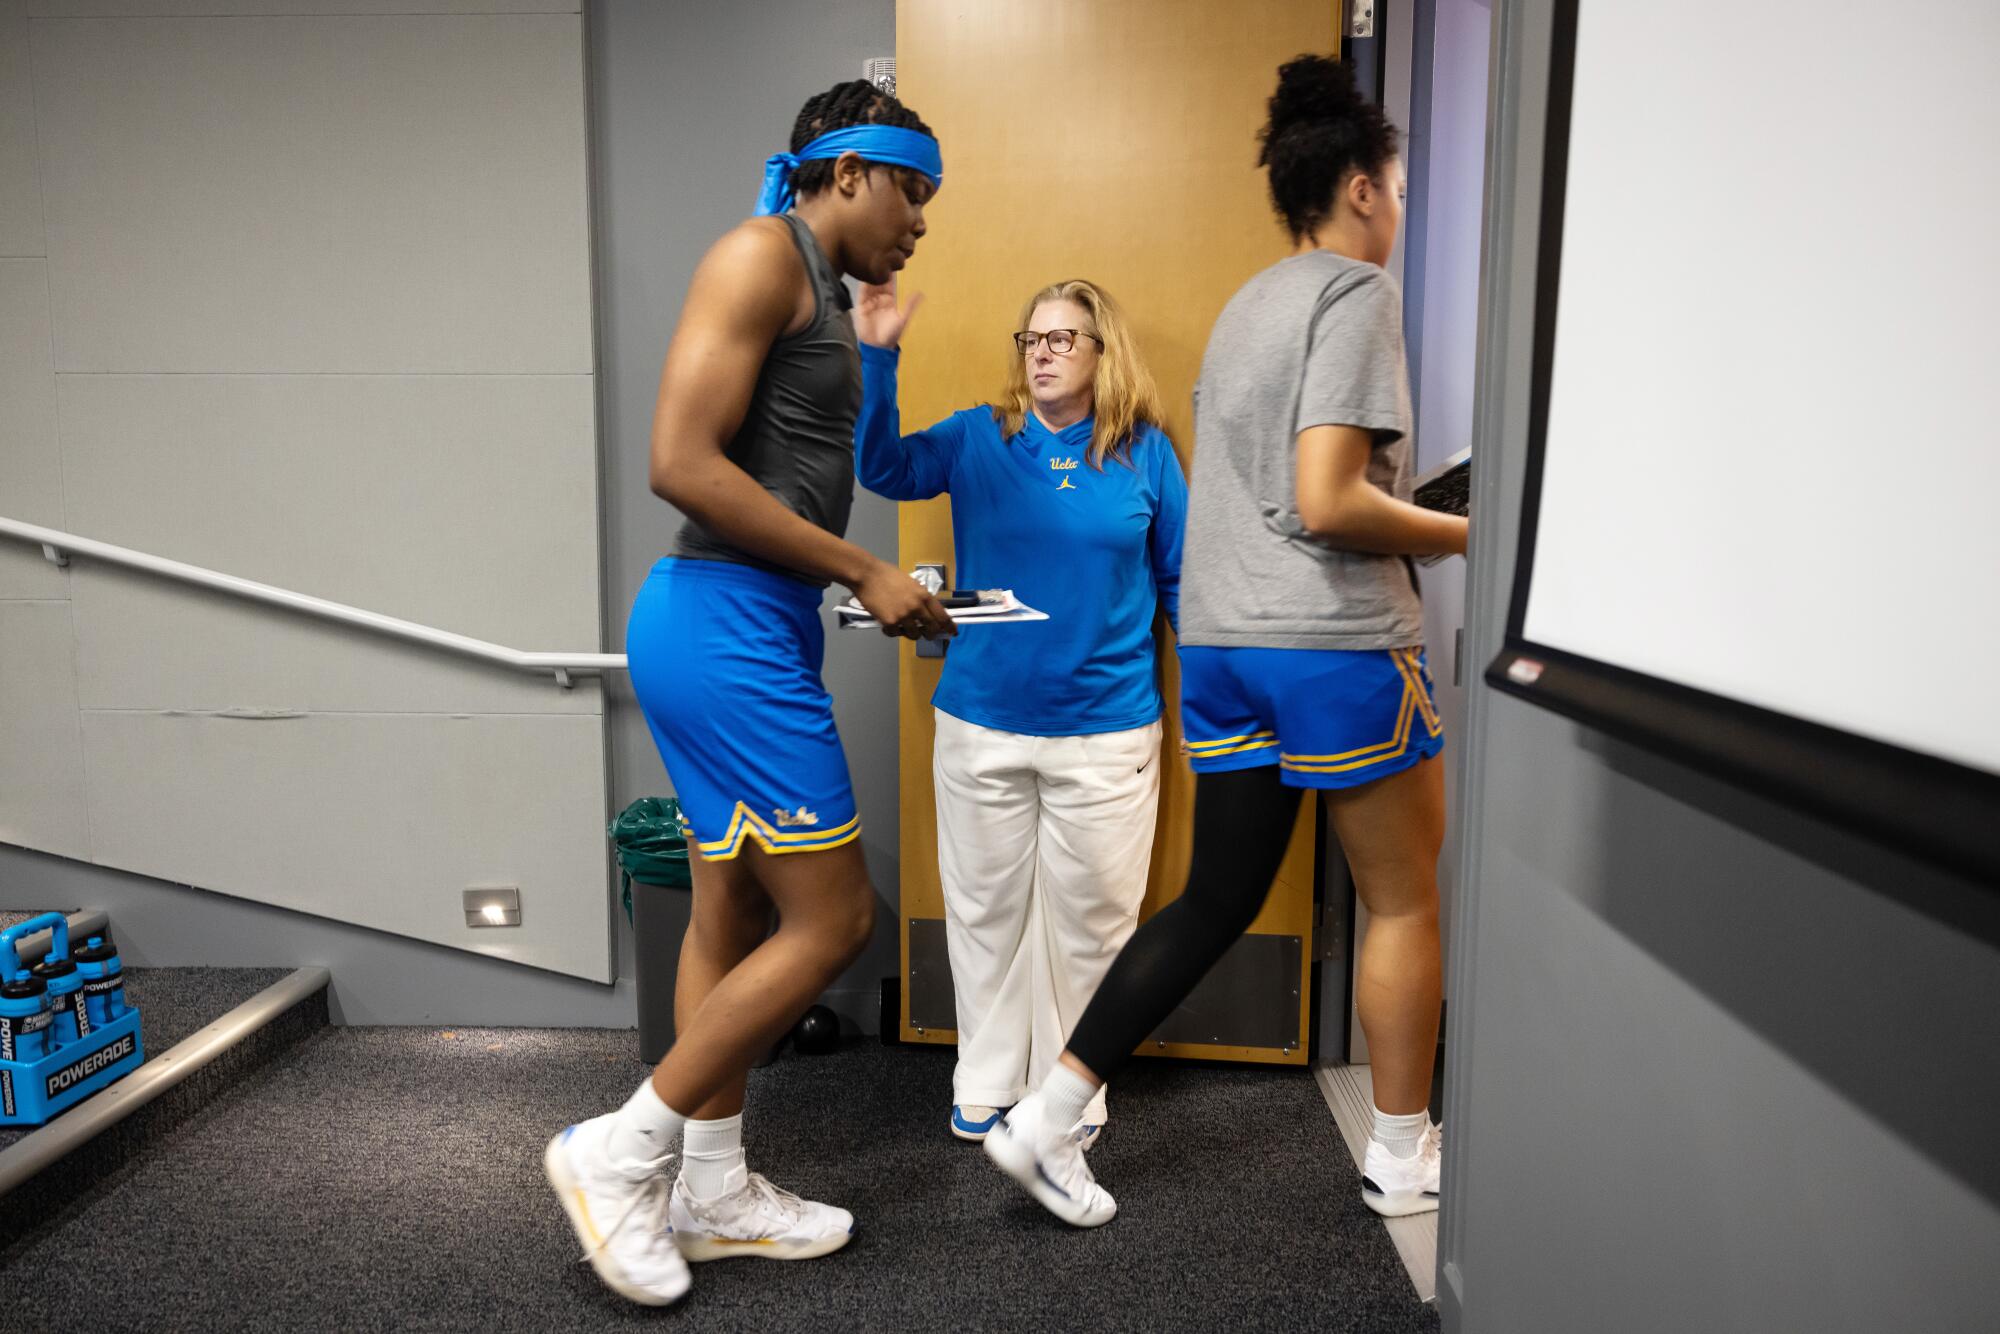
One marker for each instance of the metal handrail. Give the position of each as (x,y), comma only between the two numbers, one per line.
(60,546)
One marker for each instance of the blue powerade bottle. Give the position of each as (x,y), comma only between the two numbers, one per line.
(103,980)
(65,984)
(24,1020)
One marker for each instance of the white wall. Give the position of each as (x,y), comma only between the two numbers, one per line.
(1745,412)
(304,295)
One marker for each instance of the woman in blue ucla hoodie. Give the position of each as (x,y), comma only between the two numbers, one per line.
(1047,762)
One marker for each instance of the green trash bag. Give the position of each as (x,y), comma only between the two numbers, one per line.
(651,846)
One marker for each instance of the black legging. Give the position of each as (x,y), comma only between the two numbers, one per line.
(1242,824)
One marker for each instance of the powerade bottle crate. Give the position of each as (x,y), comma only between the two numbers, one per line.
(65,1029)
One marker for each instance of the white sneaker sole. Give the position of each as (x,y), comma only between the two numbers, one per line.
(1016,1157)
(699,1248)
(556,1164)
(1399,1204)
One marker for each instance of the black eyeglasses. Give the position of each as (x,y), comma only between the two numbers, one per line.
(1061,341)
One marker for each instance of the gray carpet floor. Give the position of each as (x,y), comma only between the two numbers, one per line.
(391,1179)
(175,1002)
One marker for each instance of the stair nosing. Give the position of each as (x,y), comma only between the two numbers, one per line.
(20,1161)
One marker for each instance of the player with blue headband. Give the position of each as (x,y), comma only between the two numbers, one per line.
(753,442)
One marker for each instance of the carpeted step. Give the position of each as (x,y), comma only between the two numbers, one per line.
(203,1029)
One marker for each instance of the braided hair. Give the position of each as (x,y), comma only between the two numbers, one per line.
(1321,129)
(856,102)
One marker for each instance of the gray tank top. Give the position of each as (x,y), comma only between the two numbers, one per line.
(797,439)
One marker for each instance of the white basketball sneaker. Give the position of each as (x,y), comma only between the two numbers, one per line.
(1048,1161)
(755,1218)
(619,1212)
(1395,1187)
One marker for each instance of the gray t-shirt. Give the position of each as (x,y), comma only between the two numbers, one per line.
(1314,340)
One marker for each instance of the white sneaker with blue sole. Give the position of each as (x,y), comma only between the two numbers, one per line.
(970,1121)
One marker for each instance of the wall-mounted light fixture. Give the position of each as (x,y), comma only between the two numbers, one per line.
(493,905)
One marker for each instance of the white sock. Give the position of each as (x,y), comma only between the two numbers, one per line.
(644,1129)
(710,1150)
(1065,1094)
(1403,1136)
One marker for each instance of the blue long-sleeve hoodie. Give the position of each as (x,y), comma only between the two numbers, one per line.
(1100,552)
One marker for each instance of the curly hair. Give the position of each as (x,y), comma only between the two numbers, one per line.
(1321,129)
(856,102)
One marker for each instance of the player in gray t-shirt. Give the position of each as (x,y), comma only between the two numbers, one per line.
(1314,341)
(1301,651)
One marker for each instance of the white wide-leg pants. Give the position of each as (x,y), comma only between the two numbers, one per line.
(1043,848)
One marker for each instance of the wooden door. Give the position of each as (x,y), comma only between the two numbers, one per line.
(1113,140)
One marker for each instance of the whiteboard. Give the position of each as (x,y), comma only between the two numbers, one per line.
(1768,416)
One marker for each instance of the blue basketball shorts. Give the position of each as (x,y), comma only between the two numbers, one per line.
(1328,718)
(726,660)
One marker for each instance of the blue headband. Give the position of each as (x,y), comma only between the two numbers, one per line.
(888,144)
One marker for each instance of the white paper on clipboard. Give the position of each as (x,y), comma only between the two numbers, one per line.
(995,605)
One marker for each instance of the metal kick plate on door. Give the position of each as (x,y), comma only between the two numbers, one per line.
(932,1004)
(1249,999)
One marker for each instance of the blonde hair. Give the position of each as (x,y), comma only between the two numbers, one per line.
(1124,398)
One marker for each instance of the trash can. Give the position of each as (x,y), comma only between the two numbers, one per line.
(651,846)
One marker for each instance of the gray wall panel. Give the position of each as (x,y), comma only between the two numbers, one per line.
(1714,1065)
(377,978)
(1730,989)
(144,643)
(23,571)
(319,194)
(398,195)
(662,197)
(30,462)
(20,179)
(178,8)
(379,820)
(41,761)
(466,502)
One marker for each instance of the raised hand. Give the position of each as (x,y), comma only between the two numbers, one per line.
(877,321)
